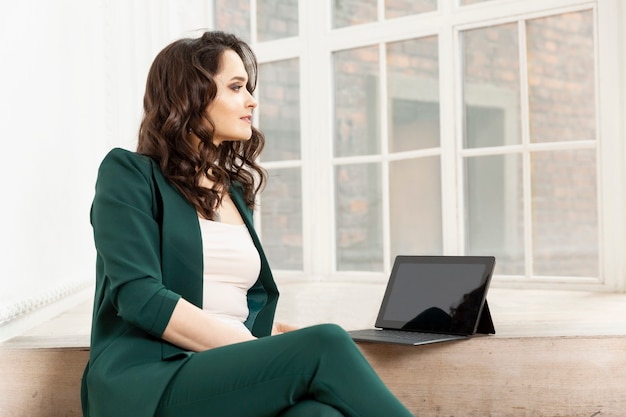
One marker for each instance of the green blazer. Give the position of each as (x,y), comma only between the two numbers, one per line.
(149,254)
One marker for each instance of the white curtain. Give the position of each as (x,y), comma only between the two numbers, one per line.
(71,85)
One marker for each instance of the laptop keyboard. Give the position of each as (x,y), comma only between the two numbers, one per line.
(403,336)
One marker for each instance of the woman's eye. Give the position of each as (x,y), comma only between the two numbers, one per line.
(236,87)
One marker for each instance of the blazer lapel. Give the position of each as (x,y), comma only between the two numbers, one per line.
(181,243)
(247,216)
(263,296)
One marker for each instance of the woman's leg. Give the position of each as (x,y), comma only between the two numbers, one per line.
(265,377)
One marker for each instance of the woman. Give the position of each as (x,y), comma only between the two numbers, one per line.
(185,299)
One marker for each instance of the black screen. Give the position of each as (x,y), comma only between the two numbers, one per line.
(436,294)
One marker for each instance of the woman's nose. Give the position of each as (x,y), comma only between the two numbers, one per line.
(252,101)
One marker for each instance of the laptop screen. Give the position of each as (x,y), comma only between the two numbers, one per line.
(441,294)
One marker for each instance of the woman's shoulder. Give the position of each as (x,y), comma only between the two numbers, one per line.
(122,168)
(119,156)
(120,160)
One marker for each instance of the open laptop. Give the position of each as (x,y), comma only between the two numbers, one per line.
(433,299)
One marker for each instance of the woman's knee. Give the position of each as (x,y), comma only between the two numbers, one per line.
(328,335)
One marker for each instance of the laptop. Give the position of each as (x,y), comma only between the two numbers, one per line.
(432,299)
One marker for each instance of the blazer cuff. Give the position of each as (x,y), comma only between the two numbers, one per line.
(169,299)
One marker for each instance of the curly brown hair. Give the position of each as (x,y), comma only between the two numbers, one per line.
(179,88)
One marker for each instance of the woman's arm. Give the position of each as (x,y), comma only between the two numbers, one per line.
(127,240)
(192,329)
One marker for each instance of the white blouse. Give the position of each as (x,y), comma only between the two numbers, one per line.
(231,267)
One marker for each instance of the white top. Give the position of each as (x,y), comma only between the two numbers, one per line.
(231,266)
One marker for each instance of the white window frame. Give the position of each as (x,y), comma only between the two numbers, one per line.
(314,47)
(526,147)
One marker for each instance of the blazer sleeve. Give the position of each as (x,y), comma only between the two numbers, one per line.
(124,217)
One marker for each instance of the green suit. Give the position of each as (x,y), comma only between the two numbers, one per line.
(149,255)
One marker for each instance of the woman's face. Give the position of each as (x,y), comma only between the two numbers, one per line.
(231,110)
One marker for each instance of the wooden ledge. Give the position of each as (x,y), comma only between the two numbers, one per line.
(556,354)
(577,376)
(41,382)
(555,376)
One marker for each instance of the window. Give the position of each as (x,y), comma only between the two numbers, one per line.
(530,161)
(281,204)
(424,127)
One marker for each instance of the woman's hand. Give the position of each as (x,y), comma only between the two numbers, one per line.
(279,328)
(192,329)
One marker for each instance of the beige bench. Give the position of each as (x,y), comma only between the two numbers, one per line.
(560,355)
(488,376)
(41,382)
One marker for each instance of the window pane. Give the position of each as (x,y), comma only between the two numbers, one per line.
(399,8)
(358,212)
(233,16)
(494,214)
(353,12)
(276,19)
(561,77)
(415,183)
(565,213)
(279,109)
(491,86)
(413,88)
(281,219)
(356,102)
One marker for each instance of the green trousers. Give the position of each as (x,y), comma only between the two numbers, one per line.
(316,371)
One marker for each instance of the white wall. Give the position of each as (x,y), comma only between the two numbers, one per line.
(72,75)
